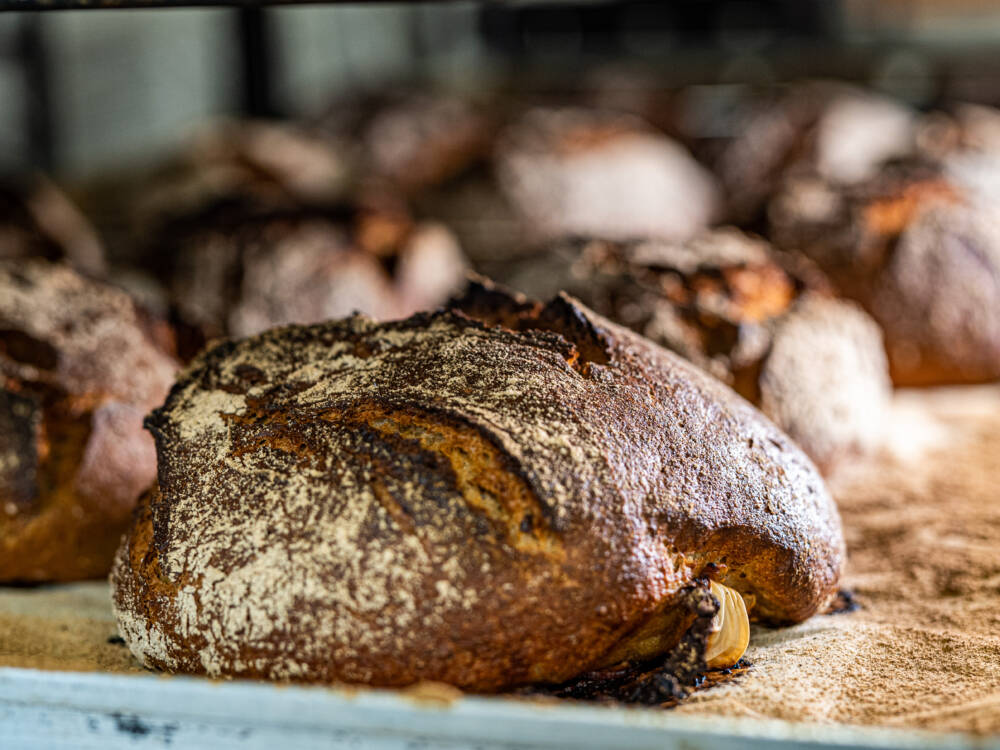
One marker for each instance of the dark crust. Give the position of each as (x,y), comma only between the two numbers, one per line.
(516,488)
(755,318)
(710,299)
(20,419)
(922,256)
(78,370)
(38,221)
(843,603)
(20,234)
(665,679)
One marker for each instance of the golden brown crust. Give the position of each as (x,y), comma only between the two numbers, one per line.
(78,370)
(495,495)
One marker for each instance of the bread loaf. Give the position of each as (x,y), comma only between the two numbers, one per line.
(240,273)
(504,493)
(919,248)
(766,324)
(576,171)
(79,369)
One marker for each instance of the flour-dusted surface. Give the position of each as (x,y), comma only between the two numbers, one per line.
(923,539)
(923,533)
(825,379)
(572,172)
(79,368)
(65,332)
(439,499)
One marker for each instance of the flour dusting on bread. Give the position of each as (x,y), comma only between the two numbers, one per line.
(485,502)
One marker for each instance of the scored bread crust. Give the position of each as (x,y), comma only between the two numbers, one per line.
(763,322)
(498,494)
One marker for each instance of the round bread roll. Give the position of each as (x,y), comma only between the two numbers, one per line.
(254,163)
(577,171)
(840,132)
(419,141)
(38,221)
(240,273)
(762,322)
(78,372)
(919,248)
(560,172)
(411,140)
(496,495)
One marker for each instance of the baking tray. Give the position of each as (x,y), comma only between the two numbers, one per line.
(80,710)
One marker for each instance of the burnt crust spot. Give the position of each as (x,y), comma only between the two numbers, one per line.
(496,306)
(664,679)
(844,602)
(20,421)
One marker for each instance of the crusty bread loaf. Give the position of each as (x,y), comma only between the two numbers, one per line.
(266,165)
(499,494)
(238,273)
(78,372)
(843,133)
(919,248)
(418,141)
(578,171)
(765,323)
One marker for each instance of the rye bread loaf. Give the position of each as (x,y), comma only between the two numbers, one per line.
(918,247)
(245,272)
(843,133)
(498,494)
(79,369)
(763,322)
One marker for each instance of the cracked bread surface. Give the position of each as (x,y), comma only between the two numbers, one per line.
(763,322)
(492,495)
